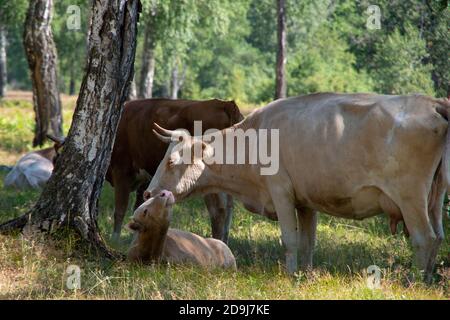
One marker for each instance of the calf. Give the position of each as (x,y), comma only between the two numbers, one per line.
(155,241)
(137,151)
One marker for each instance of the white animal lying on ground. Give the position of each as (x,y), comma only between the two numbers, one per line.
(34,168)
(31,171)
(154,241)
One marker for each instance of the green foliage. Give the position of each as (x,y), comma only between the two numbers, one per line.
(399,66)
(12,13)
(17,126)
(70,44)
(324,64)
(227,48)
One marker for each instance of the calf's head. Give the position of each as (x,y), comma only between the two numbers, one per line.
(156,211)
(183,164)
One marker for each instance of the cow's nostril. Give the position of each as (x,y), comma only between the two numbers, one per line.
(147,195)
(163,194)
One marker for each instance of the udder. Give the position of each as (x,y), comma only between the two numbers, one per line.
(394,213)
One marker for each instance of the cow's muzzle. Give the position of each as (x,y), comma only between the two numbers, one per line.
(162,193)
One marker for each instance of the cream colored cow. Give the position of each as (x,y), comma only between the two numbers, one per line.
(348,155)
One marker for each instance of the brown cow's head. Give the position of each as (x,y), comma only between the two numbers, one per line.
(155,212)
(182,166)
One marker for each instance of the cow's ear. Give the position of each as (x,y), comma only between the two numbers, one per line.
(173,122)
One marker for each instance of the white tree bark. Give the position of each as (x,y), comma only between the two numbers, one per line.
(3,73)
(41,54)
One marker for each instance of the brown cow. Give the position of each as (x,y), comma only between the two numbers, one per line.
(155,241)
(137,151)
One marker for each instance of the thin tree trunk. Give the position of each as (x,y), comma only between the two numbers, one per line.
(3,74)
(148,65)
(41,55)
(70,198)
(174,87)
(176,81)
(132,94)
(72,82)
(281,88)
(166,89)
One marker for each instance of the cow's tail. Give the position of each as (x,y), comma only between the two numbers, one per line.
(444,110)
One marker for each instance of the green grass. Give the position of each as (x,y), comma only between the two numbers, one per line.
(35,268)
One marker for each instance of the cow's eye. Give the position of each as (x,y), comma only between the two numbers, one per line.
(145,212)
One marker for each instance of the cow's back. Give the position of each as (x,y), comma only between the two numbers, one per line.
(183,247)
(136,146)
(341,150)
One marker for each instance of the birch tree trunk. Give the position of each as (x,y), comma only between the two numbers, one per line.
(41,54)
(3,74)
(70,197)
(174,85)
(148,64)
(281,87)
(176,80)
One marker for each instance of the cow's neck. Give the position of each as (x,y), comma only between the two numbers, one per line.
(239,180)
(151,241)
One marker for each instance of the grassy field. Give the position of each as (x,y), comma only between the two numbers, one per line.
(36,268)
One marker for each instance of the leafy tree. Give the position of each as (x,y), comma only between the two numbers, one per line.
(399,66)
(12,15)
(70,43)
(323,63)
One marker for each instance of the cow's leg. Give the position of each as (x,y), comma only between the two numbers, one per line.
(228,218)
(289,230)
(215,203)
(423,238)
(307,222)
(436,202)
(122,191)
(140,194)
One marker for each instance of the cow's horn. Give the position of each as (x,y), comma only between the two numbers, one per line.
(162,131)
(166,139)
(55,139)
